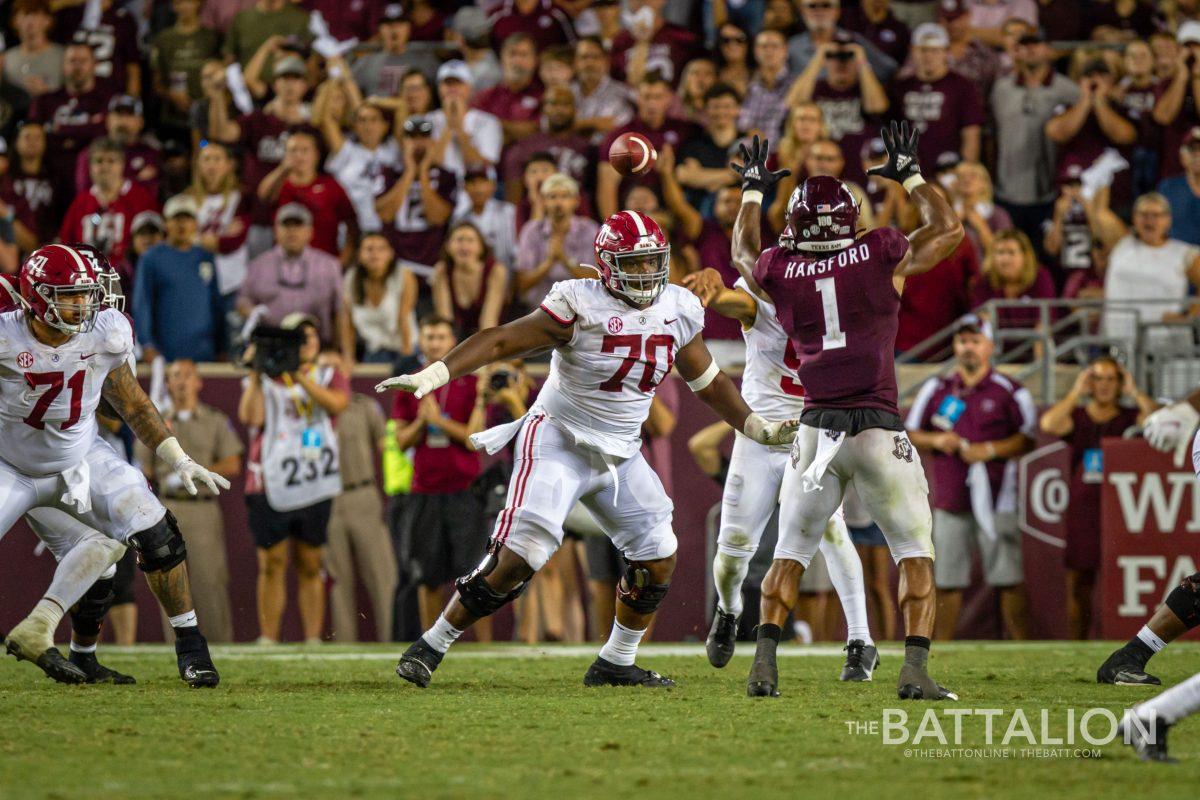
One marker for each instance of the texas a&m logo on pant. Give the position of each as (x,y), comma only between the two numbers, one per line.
(903,449)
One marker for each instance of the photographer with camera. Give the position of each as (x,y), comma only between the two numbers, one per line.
(293,467)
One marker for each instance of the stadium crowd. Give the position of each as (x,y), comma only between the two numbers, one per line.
(391,177)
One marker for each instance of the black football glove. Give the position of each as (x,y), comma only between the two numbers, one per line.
(901,142)
(753,169)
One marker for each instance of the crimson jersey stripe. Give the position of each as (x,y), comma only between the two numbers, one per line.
(556,317)
(522,479)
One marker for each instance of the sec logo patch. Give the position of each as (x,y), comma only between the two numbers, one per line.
(25,360)
(615,325)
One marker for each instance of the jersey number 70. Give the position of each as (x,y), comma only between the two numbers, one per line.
(632,342)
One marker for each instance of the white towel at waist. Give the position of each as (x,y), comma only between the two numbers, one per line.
(78,480)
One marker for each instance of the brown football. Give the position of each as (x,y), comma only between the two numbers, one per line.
(632,154)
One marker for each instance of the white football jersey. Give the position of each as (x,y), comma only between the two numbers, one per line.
(48,395)
(602,381)
(769,382)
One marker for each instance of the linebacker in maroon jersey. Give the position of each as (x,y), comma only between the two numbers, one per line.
(833,293)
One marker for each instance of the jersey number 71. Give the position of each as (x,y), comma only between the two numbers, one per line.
(53,381)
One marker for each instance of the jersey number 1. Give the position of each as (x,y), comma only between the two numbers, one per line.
(53,381)
(834,337)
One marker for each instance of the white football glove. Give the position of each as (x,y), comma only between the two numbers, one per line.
(189,471)
(1170,429)
(420,383)
(770,433)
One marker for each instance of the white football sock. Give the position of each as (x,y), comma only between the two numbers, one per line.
(185,620)
(80,568)
(729,571)
(621,647)
(846,575)
(441,635)
(81,648)
(1150,639)
(1174,704)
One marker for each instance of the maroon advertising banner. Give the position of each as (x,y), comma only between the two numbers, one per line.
(1151,532)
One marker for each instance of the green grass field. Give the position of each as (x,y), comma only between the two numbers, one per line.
(508,721)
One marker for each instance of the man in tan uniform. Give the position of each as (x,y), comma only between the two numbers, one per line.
(357,533)
(209,436)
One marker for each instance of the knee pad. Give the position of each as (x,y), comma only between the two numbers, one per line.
(480,599)
(1184,601)
(636,591)
(88,614)
(161,547)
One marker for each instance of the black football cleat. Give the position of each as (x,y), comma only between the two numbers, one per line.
(49,661)
(722,638)
(418,663)
(861,661)
(764,672)
(196,668)
(606,673)
(97,672)
(1147,748)
(1125,667)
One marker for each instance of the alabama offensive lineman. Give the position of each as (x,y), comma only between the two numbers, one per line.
(751,493)
(834,296)
(614,340)
(59,356)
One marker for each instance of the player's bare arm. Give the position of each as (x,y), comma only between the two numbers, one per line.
(696,366)
(531,334)
(712,292)
(757,181)
(940,230)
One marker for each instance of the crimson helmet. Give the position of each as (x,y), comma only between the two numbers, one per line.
(629,237)
(110,281)
(49,276)
(822,215)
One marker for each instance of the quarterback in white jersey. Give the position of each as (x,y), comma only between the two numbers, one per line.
(59,355)
(771,388)
(614,340)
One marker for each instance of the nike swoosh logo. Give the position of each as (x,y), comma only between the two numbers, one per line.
(85,358)
(672,319)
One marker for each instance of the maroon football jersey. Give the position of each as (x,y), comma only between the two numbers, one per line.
(840,311)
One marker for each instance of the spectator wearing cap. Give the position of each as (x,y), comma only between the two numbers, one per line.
(1092,411)
(464,135)
(977,423)
(223,214)
(468,285)
(601,102)
(703,160)
(294,277)
(379,73)
(541,20)
(515,101)
(35,65)
(552,248)
(102,216)
(573,154)
(1022,104)
(1147,266)
(495,219)
(975,205)
(764,107)
(73,116)
(148,229)
(1011,272)
(841,82)
(417,204)
(382,295)
(1183,191)
(298,179)
(820,24)
(942,105)
(178,311)
(966,55)
(1093,124)
(653,101)
(470,32)
(176,55)
(874,20)
(260,135)
(651,43)
(988,17)
(359,162)
(1079,236)
(113,37)
(267,22)
(1177,109)
(143,158)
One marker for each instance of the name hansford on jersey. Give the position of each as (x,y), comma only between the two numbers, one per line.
(857,254)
